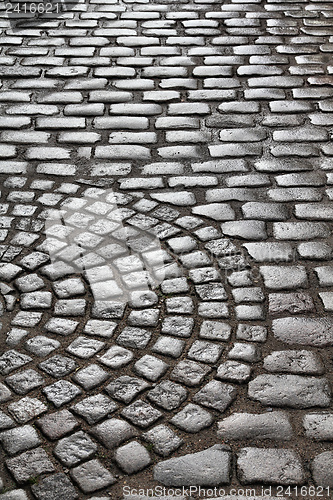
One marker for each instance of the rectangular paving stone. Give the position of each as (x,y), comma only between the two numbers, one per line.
(29,464)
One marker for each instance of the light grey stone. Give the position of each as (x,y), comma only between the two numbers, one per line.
(92,476)
(272,466)
(216,395)
(317,332)
(274,425)
(55,487)
(303,362)
(132,457)
(112,432)
(205,468)
(319,426)
(322,469)
(163,440)
(292,391)
(192,418)
(19,439)
(29,464)
(75,448)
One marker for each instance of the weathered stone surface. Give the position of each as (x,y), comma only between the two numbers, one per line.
(205,468)
(293,303)
(55,487)
(19,439)
(319,426)
(92,476)
(322,469)
(75,448)
(113,431)
(292,391)
(29,464)
(269,466)
(274,425)
(132,457)
(317,332)
(304,362)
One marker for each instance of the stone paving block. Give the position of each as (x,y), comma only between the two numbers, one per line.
(293,391)
(94,408)
(163,440)
(29,464)
(304,330)
(75,448)
(55,487)
(322,469)
(274,425)
(112,432)
(272,466)
(92,476)
(132,457)
(318,426)
(58,424)
(19,439)
(205,468)
(26,409)
(301,361)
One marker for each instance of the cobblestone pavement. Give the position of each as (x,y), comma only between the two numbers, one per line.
(165,227)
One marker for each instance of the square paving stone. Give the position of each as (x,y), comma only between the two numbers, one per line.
(136,338)
(215,330)
(168,395)
(84,347)
(91,376)
(19,439)
(163,440)
(141,413)
(189,373)
(150,367)
(233,371)
(169,346)
(29,464)
(25,381)
(104,309)
(26,409)
(126,388)
(61,392)
(75,448)
(61,326)
(180,326)
(41,345)
(29,283)
(216,395)
(92,476)
(192,418)
(11,360)
(58,366)
(251,333)
(132,457)
(100,328)
(55,487)
(95,408)
(58,424)
(143,298)
(176,285)
(112,432)
(206,352)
